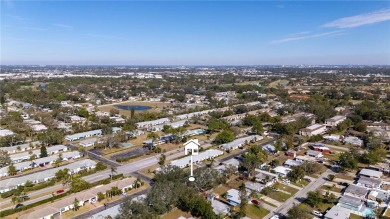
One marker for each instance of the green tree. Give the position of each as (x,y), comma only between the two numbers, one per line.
(253,158)
(224,137)
(43,152)
(79,184)
(348,160)
(113,170)
(331,177)
(11,170)
(257,128)
(244,200)
(76,204)
(161,160)
(313,199)
(5,160)
(296,174)
(83,113)
(297,213)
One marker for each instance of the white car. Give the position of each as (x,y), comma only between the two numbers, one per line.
(275,217)
(317,213)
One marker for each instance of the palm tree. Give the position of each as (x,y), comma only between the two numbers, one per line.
(113,170)
(154,136)
(76,205)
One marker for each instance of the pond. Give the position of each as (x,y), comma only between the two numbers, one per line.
(135,107)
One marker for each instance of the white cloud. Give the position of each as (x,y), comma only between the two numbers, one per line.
(305,36)
(360,20)
(63,26)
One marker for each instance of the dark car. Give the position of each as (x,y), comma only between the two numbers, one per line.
(18,206)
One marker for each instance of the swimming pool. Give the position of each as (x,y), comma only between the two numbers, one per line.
(135,107)
(199,131)
(368,211)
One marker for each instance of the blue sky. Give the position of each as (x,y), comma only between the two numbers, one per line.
(195,32)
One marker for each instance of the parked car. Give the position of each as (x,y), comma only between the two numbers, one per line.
(254,201)
(18,206)
(307,179)
(317,213)
(60,191)
(275,217)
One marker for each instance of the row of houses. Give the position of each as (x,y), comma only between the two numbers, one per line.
(174,125)
(88,196)
(40,162)
(21,147)
(93,133)
(46,175)
(205,155)
(24,156)
(319,129)
(362,197)
(240,142)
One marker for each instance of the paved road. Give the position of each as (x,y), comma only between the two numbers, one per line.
(301,194)
(96,156)
(126,169)
(112,204)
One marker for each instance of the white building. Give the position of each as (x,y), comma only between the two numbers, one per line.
(240,142)
(6,132)
(353,141)
(148,124)
(205,155)
(86,196)
(334,121)
(316,129)
(20,148)
(43,176)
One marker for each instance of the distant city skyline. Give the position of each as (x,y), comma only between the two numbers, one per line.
(195,33)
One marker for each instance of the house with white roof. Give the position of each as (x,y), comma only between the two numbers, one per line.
(205,155)
(337,212)
(240,142)
(282,171)
(370,173)
(334,121)
(353,141)
(20,147)
(86,196)
(233,197)
(6,132)
(316,129)
(148,124)
(43,176)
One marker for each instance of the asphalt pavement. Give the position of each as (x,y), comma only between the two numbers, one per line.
(301,195)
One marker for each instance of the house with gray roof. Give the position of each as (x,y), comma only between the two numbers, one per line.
(357,191)
(370,173)
(337,212)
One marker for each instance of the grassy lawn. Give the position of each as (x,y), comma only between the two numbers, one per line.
(220,190)
(175,213)
(344,176)
(286,188)
(355,216)
(236,183)
(268,203)
(279,196)
(331,188)
(256,212)
(301,183)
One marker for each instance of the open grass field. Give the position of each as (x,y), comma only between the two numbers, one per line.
(286,188)
(175,213)
(279,196)
(277,82)
(256,212)
(155,106)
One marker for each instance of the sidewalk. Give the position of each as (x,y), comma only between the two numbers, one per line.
(272,201)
